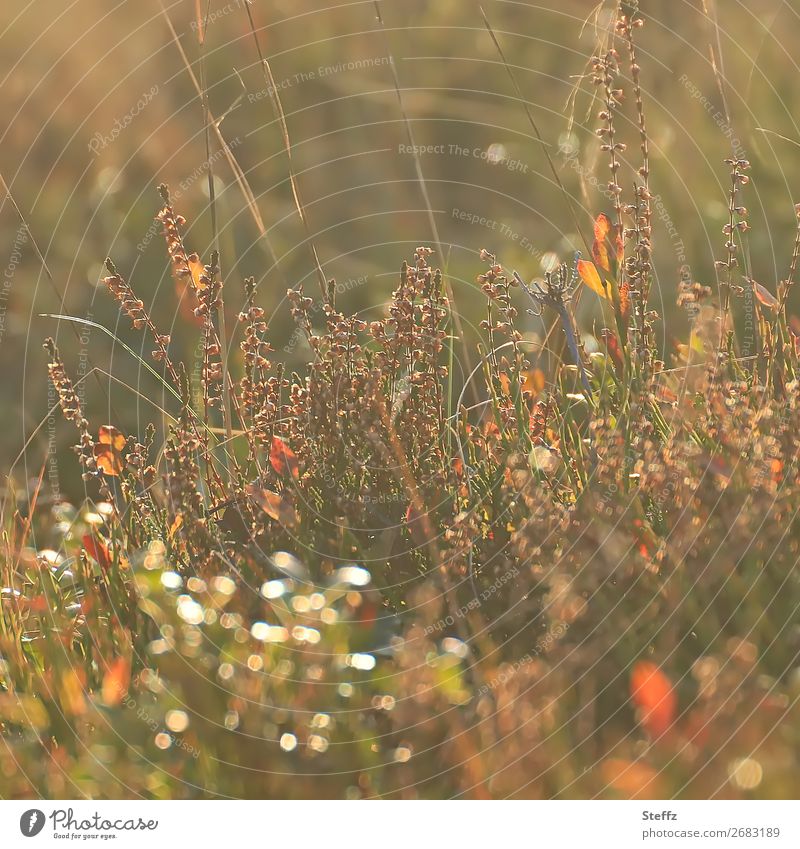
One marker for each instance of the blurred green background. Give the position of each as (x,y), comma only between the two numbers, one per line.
(99,109)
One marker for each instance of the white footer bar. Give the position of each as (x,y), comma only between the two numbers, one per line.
(402,825)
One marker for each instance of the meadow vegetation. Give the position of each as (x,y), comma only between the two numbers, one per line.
(414,566)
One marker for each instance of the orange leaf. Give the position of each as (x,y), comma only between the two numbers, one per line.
(107,460)
(283,459)
(602,227)
(107,450)
(653,695)
(109,435)
(175,526)
(534,381)
(116,682)
(588,273)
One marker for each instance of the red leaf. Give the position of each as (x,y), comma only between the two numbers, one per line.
(283,459)
(612,346)
(653,695)
(37,604)
(97,549)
